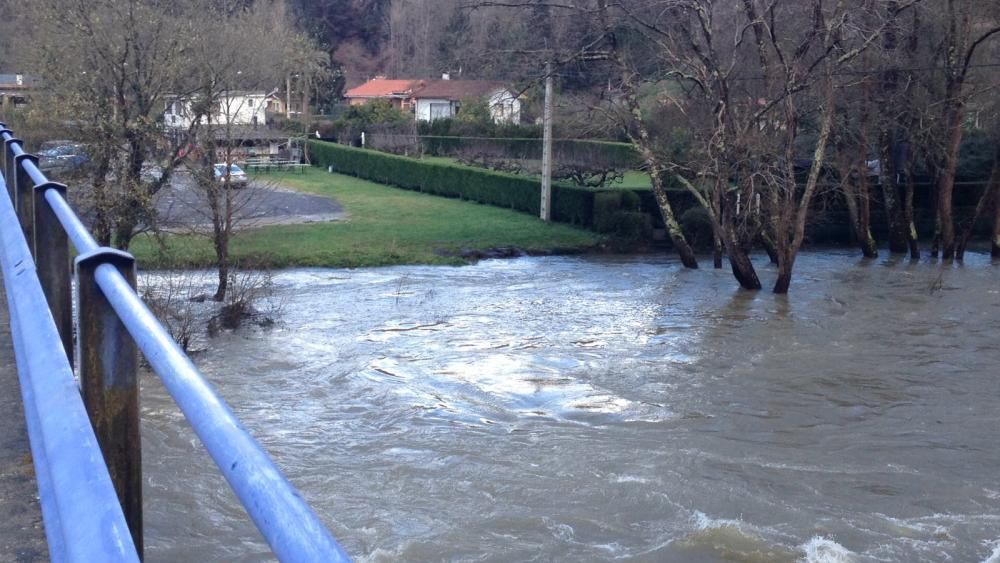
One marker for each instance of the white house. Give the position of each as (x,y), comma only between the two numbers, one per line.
(232,108)
(443,98)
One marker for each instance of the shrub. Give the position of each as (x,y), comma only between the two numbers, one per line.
(631,225)
(570,204)
(631,201)
(606,204)
(357,119)
(697,227)
(567,151)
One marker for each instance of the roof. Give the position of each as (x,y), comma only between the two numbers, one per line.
(458,89)
(382,88)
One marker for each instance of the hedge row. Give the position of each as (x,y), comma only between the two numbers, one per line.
(619,155)
(570,204)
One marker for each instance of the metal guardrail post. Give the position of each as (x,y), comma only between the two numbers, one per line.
(51,250)
(8,165)
(108,361)
(3,150)
(24,198)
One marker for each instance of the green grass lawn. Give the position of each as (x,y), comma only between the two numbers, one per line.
(634,179)
(385,226)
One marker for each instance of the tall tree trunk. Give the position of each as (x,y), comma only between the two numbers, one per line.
(673,226)
(908,214)
(767,241)
(934,171)
(995,236)
(717,246)
(990,196)
(946,182)
(788,250)
(103,212)
(222,265)
(644,145)
(786,262)
(739,260)
(859,217)
(864,203)
(890,198)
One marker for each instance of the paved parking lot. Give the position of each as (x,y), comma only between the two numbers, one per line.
(263,202)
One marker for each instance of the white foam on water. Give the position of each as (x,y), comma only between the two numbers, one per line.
(735,540)
(995,556)
(823,550)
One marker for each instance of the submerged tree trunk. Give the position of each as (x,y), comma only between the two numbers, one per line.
(644,145)
(858,199)
(908,214)
(995,237)
(739,260)
(767,242)
(990,196)
(673,226)
(788,246)
(946,182)
(717,246)
(890,198)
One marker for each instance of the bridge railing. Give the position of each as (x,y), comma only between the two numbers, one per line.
(89,472)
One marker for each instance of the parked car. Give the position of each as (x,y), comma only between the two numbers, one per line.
(61,156)
(237,177)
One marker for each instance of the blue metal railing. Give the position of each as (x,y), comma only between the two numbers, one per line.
(72,479)
(83,520)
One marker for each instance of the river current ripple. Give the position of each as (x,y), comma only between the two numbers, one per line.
(594,409)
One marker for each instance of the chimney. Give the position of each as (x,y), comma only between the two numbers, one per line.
(446,76)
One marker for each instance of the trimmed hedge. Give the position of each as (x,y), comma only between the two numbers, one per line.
(620,155)
(570,204)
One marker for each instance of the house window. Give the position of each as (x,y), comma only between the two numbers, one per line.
(440,111)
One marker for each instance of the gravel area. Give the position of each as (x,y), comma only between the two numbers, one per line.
(182,205)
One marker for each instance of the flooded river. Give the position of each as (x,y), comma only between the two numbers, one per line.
(594,409)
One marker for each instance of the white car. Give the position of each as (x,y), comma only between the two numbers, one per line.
(237,177)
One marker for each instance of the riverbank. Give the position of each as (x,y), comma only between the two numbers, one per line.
(381,226)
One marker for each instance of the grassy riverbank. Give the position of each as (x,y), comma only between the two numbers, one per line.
(384,226)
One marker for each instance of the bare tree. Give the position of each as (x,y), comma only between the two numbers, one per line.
(966,27)
(110,71)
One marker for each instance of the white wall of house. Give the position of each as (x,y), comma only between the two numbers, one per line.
(505,107)
(242,109)
(429,109)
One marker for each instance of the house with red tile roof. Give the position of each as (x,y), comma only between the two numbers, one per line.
(440,99)
(398,92)
(443,99)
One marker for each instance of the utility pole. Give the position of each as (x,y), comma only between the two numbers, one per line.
(546,207)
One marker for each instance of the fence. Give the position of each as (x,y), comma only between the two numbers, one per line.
(85,439)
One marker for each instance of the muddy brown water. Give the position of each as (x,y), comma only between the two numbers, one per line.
(596,409)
